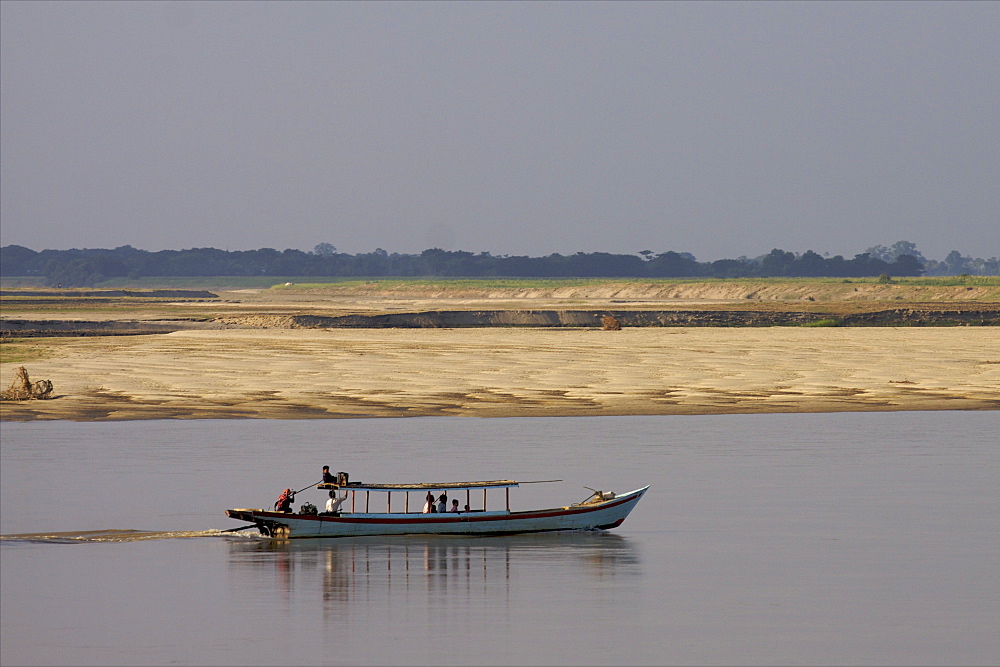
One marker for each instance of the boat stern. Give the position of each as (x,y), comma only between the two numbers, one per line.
(267,526)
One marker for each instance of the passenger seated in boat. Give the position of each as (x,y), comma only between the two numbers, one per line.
(327,477)
(467,507)
(443,503)
(429,505)
(454,506)
(334,503)
(284,501)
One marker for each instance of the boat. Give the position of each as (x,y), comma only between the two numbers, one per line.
(602,510)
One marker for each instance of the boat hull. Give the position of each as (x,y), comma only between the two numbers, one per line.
(592,516)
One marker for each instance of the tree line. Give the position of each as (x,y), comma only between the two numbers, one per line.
(87,267)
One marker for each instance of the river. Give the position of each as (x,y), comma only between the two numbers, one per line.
(848,538)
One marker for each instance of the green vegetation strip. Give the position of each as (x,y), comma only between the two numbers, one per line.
(22,350)
(388,283)
(828,322)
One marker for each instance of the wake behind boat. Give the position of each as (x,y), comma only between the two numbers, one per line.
(603,510)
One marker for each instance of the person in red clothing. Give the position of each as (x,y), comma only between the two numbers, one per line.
(284,501)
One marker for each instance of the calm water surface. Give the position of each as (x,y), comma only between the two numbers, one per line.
(779,539)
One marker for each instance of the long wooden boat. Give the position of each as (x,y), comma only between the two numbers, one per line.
(601,511)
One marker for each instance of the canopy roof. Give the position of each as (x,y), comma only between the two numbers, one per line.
(427,486)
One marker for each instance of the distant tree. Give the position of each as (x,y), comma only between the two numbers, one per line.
(324,249)
(901,248)
(672,264)
(906,265)
(597,264)
(731,268)
(810,264)
(956,264)
(987,267)
(17,260)
(880,252)
(838,266)
(776,263)
(895,251)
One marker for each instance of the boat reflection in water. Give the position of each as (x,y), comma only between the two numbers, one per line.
(384,568)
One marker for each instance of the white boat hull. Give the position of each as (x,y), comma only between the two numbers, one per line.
(591,516)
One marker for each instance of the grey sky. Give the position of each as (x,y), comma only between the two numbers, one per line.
(720,129)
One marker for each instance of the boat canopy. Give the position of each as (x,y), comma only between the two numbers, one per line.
(424,486)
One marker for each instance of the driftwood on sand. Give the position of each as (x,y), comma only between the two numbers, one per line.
(22,388)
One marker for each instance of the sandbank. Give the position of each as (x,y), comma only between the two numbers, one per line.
(513,372)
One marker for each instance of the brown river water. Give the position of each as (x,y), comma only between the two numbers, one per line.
(861,538)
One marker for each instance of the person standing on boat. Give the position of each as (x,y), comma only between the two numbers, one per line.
(327,477)
(334,503)
(429,505)
(284,501)
(443,503)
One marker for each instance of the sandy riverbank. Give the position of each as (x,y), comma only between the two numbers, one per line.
(500,372)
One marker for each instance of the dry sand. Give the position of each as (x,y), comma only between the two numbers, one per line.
(514,372)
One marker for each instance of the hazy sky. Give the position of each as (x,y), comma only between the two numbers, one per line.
(720,129)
